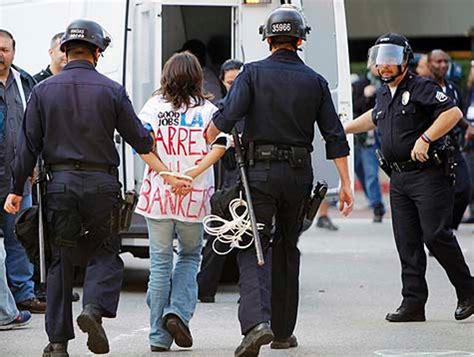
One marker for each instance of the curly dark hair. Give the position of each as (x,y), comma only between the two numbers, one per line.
(182,81)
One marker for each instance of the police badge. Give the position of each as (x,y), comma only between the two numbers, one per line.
(441,97)
(405,97)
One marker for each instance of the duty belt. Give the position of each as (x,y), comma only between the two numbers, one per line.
(83,166)
(295,156)
(411,165)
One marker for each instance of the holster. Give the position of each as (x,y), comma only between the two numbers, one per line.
(384,165)
(126,209)
(443,154)
(316,199)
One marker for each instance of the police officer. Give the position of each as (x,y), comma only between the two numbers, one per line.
(58,59)
(413,114)
(438,62)
(280,99)
(70,120)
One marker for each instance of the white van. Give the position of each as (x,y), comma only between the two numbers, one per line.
(145,33)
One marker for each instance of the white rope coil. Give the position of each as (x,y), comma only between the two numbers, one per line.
(231,232)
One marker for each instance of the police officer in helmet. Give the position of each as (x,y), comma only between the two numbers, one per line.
(70,120)
(280,99)
(413,115)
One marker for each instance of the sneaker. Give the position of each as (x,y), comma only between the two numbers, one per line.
(326,223)
(32,305)
(23,318)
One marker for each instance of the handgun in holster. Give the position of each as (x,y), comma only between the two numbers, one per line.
(128,205)
(443,154)
(316,199)
(384,165)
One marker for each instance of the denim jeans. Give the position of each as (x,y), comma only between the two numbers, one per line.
(172,291)
(18,267)
(8,310)
(367,170)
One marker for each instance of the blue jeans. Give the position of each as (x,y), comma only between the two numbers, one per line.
(8,310)
(172,291)
(18,266)
(367,171)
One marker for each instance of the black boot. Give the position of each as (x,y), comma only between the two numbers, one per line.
(407,314)
(90,322)
(464,309)
(257,337)
(283,344)
(56,350)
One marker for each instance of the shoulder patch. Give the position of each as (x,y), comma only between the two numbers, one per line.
(441,97)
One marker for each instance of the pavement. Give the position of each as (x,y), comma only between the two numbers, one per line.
(350,279)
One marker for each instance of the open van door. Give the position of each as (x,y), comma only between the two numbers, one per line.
(326,51)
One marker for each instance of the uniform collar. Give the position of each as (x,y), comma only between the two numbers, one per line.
(285,54)
(79,64)
(48,70)
(402,85)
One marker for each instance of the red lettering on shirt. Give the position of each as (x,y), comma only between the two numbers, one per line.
(192,142)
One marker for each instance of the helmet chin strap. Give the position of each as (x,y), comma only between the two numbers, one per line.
(392,78)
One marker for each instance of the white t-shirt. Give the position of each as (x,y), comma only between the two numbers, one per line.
(180,145)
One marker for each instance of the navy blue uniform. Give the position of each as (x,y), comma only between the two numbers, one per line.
(280,98)
(462,188)
(70,119)
(420,195)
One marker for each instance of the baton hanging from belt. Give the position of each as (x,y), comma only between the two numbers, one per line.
(243,176)
(39,191)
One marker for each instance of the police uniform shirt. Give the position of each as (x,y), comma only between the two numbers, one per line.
(281,98)
(401,120)
(72,116)
(41,76)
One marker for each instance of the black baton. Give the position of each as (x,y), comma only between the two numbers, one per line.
(243,176)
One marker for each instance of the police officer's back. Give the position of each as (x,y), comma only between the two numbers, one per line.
(70,119)
(280,99)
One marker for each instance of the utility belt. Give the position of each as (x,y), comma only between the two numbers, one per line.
(121,216)
(82,166)
(295,156)
(442,155)
(411,165)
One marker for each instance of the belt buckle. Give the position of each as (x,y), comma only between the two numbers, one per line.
(77,165)
(396,167)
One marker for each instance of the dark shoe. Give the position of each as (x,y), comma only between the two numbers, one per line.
(406,314)
(90,322)
(379,212)
(257,337)
(289,342)
(56,350)
(75,296)
(32,305)
(326,223)
(179,331)
(23,319)
(207,299)
(158,349)
(464,309)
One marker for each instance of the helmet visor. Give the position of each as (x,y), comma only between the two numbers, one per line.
(386,54)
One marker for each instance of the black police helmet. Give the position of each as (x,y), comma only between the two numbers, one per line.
(86,31)
(398,40)
(286,20)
